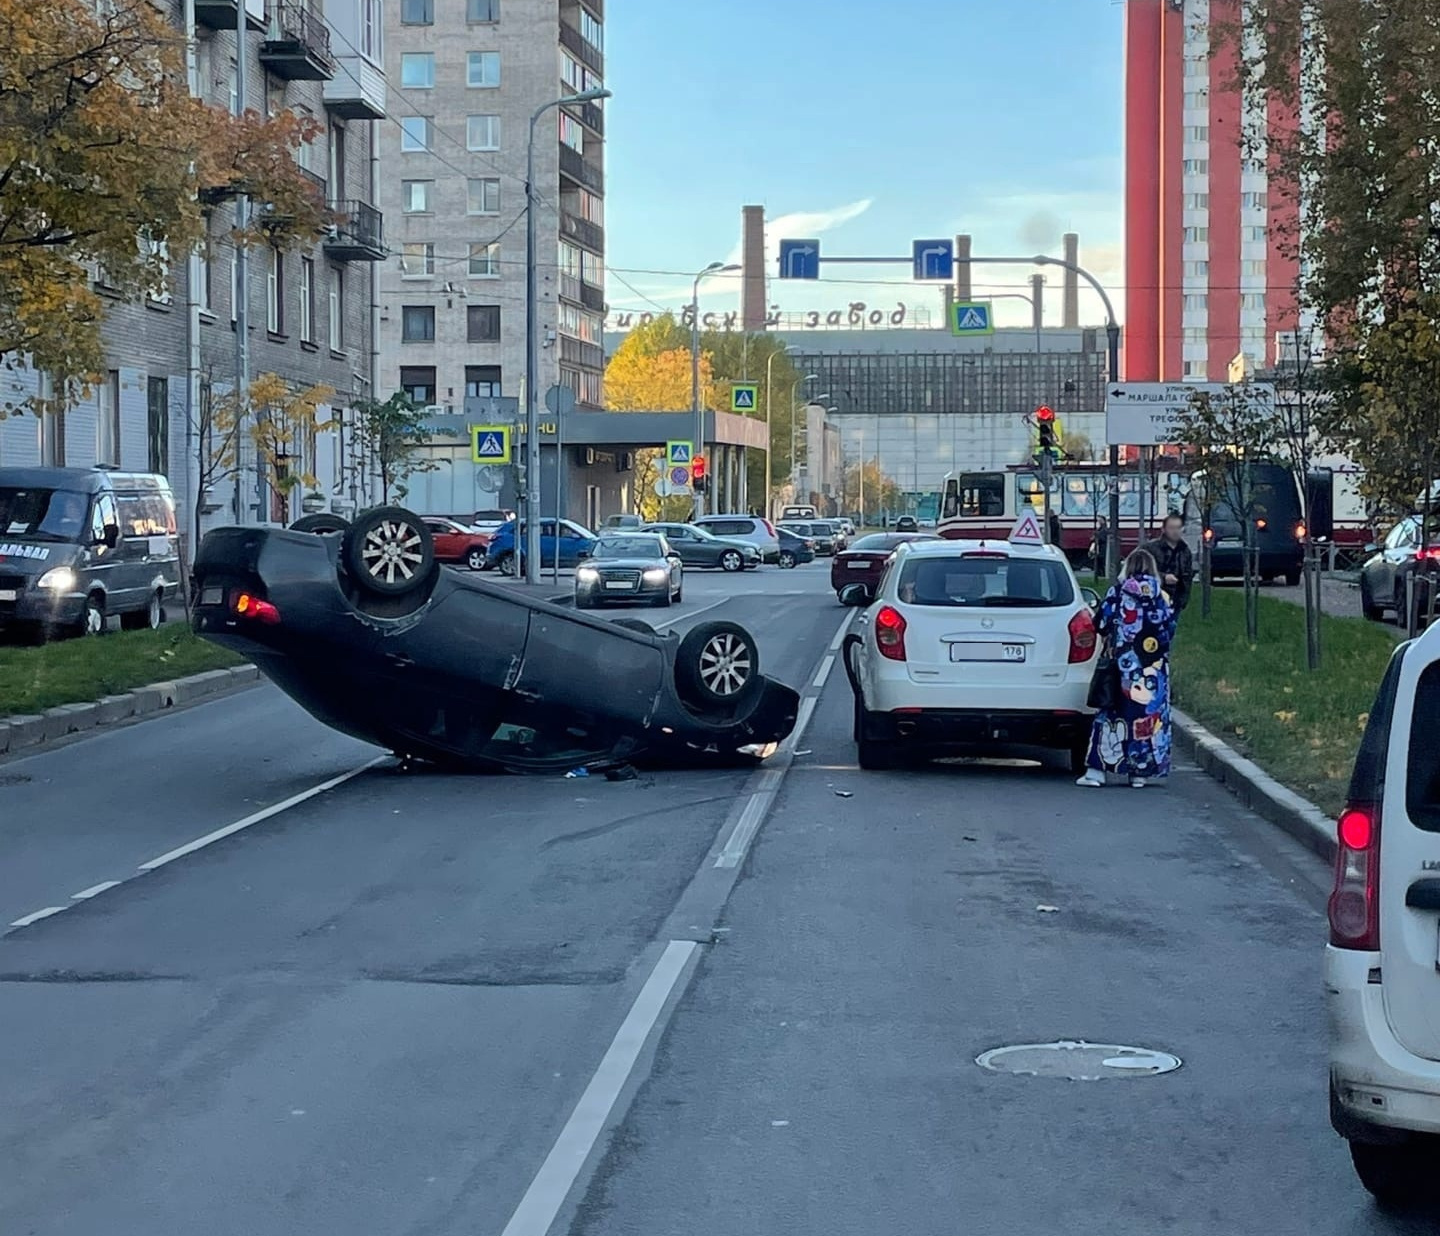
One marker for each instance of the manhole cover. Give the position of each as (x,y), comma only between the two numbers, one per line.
(1078,1061)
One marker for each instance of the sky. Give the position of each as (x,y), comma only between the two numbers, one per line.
(868,125)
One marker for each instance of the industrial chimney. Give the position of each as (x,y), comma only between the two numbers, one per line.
(752,265)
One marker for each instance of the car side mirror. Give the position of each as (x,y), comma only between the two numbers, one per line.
(854,594)
(1371,548)
(673,557)
(582,553)
(1092,598)
(111,537)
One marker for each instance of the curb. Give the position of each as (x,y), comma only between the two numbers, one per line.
(32,733)
(1256,788)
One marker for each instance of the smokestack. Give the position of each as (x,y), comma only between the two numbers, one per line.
(963,282)
(752,265)
(1037,296)
(1072,283)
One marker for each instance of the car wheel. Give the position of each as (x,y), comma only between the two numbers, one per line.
(1397,1176)
(875,756)
(635,624)
(718,664)
(1367,602)
(679,594)
(92,617)
(731,561)
(475,560)
(584,602)
(662,601)
(1292,578)
(148,619)
(506,564)
(323,525)
(787,560)
(389,551)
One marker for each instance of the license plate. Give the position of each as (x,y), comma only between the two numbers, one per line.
(857,566)
(9,594)
(987,652)
(212,596)
(618,585)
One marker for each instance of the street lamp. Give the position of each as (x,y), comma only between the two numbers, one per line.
(769,443)
(715,268)
(532,349)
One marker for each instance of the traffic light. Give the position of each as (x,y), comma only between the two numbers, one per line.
(697,474)
(1045,424)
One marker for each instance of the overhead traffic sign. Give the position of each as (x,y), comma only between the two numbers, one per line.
(744,397)
(972,317)
(490,444)
(1150,413)
(799,259)
(1026,530)
(934,259)
(679,454)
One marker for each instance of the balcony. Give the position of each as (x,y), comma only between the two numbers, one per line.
(357,91)
(589,235)
(297,45)
(592,116)
(358,235)
(578,352)
(221,14)
(581,48)
(592,297)
(573,165)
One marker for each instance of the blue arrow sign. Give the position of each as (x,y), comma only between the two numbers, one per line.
(799,259)
(934,259)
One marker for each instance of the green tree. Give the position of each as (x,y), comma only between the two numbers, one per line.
(390,436)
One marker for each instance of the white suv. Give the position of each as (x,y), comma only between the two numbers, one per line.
(1382,967)
(972,643)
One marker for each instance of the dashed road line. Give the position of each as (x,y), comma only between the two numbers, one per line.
(38,915)
(93,891)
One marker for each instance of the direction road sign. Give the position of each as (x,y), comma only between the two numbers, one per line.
(490,444)
(1149,413)
(972,317)
(744,397)
(934,259)
(679,454)
(679,476)
(799,259)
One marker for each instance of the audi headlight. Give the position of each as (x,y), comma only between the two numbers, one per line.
(61,579)
(657,575)
(588,574)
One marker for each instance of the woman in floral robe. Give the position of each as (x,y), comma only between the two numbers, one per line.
(1137,623)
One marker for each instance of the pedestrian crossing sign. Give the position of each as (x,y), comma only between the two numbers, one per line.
(490,444)
(972,317)
(679,454)
(1026,530)
(744,397)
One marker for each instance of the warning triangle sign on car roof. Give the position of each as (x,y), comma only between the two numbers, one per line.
(1026,530)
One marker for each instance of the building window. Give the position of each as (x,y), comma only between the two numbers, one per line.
(482,323)
(482,69)
(414,133)
(1197,201)
(307,299)
(1197,68)
(337,309)
(482,10)
(1254,201)
(1194,235)
(370,28)
(1196,334)
(485,260)
(572,73)
(580,324)
(233,82)
(1194,369)
(418,383)
(482,132)
(1253,300)
(1256,233)
(593,31)
(52,423)
(157,424)
(588,207)
(417,70)
(337,161)
(1197,133)
(158,252)
(482,195)
(1197,167)
(415,196)
(275,293)
(1197,98)
(1252,267)
(1197,270)
(417,259)
(204,291)
(482,381)
(592,269)
(107,424)
(417,12)
(572,132)
(1197,301)
(417,324)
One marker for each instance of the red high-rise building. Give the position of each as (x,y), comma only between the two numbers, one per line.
(1207,276)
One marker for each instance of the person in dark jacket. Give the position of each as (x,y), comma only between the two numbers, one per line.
(1173,559)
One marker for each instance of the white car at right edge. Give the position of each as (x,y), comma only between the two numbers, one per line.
(1382,966)
(974,644)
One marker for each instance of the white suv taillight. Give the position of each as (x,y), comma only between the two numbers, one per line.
(1082,637)
(890,633)
(1355,901)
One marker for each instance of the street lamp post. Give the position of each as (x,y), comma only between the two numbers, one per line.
(715,268)
(532,348)
(769,442)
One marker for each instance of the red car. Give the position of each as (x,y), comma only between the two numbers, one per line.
(456,543)
(864,561)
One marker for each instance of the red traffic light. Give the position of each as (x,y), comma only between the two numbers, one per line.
(697,467)
(1044,413)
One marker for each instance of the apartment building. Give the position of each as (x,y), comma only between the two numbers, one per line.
(311,313)
(468,76)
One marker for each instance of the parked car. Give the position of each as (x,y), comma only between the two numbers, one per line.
(78,545)
(454,542)
(572,542)
(699,548)
(794,550)
(1404,553)
(615,523)
(907,523)
(837,531)
(848,527)
(1381,980)
(972,644)
(364,631)
(821,539)
(864,562)
(490,521)
(752,529)
(629,566)
(801,512)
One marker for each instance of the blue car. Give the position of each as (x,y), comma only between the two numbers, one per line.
(574,543)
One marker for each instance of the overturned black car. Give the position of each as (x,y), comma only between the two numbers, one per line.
(360,626)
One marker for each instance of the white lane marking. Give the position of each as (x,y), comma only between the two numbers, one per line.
(840,634)
(250,820)
(751,817)
(824,672)
(93,890)
(38,915)
(705,609)
(541,1204)
(802,721)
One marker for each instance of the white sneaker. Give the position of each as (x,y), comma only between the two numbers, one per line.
(1096,780)
(1137,783)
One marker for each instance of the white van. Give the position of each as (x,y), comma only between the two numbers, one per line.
(1382,966)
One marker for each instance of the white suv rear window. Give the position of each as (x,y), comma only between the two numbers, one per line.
(978,583)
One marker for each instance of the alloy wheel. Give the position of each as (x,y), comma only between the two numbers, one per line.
(392,551)
(725,664)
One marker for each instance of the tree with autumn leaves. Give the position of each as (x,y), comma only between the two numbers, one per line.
(108,164)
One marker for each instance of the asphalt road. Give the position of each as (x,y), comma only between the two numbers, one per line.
(726,1002)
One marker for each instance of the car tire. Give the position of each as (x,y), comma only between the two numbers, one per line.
(662,601)
(147,619)
(584,602)
(718,665)
(1368,607)
(731,561)
(1398,1176)
(92,617)
(475,560)
(389,551)
(679,594)
(873,755)
(787,560)
(322,525)
(506,564)
(1292,579)
(635,624)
